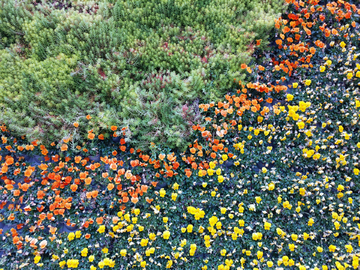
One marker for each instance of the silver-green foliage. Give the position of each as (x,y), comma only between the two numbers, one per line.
(58,65)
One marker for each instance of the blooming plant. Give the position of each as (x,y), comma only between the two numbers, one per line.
(270,181)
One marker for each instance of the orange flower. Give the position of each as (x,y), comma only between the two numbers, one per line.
(16,192)
(101,137)
(134,163)
(4,169)
(83,175)
(9,161)
(149,200)
(88,181)
(113,166)
(76,124)
(110,186)
(73,187)
(77,159)
(43,167)
(91,136)
(95,193)
(88,117)
(99,220)
(134,199)
(144,188)
(113,128)
(243,66)
(87,236)
(40,194)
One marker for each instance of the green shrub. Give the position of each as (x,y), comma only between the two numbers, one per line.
(58,65)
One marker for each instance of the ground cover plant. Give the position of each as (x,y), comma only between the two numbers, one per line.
(121,62)
(269,182)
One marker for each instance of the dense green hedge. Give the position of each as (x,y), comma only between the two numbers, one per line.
(119,60)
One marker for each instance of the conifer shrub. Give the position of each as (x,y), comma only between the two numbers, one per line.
(60,63)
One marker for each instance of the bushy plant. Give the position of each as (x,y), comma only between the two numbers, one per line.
(105,50)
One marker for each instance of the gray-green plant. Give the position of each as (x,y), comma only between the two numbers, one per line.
(62,61)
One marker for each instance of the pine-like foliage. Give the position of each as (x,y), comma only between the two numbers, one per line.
(61,62)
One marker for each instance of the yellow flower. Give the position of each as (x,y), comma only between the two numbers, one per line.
(144,242)
(301,124)
(267,226)
(289,97)
(105,250)
(37,259)
(342,44)
(224,157)
(269,263)
(123,252)
(101,229)
(264,170)
(165,219)
(220,178)
(78,234)
(91,258)
(322,68)
(169,264)
(258,199)
(223,210)
(136,211)
(310,222)
(319,249)
(166,234)
(71,236)
(162,192)
(213,221)
(183,242)
(223,252)
(356,171)
(174,196)
(307,82)
(189,228)
(349,248)
(295,85)
(175,186)
(84,252)
(271,186)
(143,264)
(332,248)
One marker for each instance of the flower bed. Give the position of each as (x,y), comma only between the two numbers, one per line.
(270,182)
